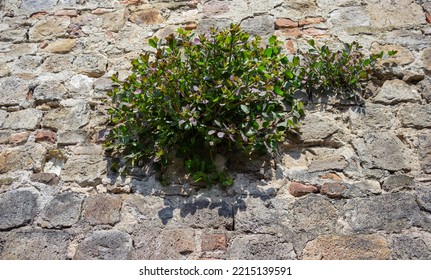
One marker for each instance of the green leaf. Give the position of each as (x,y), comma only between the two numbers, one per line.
(153,42)
(244,108)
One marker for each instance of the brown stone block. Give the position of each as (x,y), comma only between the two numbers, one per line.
(212,242)
(102,209)
(298,189)
(282,23)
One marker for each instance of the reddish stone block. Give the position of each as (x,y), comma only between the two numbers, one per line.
(19,138)
(190,26)
(292,32)
(46,135)
(212,242)
(283,23)
(298,189)
(290,46)
(314,32)
(428,17)
(310,21)
(102,209)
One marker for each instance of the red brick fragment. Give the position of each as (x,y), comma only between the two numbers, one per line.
(310,21)
(283,23)
(298,189)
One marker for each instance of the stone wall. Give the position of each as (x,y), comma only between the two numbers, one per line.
(356,184)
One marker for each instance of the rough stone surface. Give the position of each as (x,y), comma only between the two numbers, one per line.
(332,163)
(398,182)
(24,119)
(67,118)
(102,209)
(389,212)
(396,91)
(410,248)
(36,244)
(153,244)
(383,150)
(339,247)
(213,242)
(298,189)
(364,164)
(261,247)
(415,115)
(28,157)
(63,210)
(18,208)
(425,152)
(105,245)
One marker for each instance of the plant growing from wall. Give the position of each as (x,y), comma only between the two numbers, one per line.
(199,96)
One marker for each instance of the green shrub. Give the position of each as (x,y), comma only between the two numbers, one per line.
(196,97)
(344,72)
(218,94)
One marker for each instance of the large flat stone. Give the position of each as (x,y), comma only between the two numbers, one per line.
(93,65)
(382,150)
(410,247)
(36,244)
(260,247)
(372,117)
(24,119)
(49,28)
(316,128)
(68,118)
(396,91)
(84,169)
(389,212)
(341,247)
(31,6)
(153,244)
(27,157)
(17,208)
(384,13)
(425,152)
(415,115)
(63,210)
(102,209)
(105,245)
(14,91)
(49,91)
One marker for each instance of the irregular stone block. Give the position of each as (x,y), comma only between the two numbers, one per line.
(259,25)
(36,244)
(348,17)
(260,247)
(369,186)
(165,244)
(372,117)
(398,182)
(105,245)
(56,63)
(298,189)
(409,247)
(84,169)
(49,28)
(425,152)
(383,150)
(93,65)
(24,119)
(314,215)
(102,209)
(61,46)
(17,208)
(72,137)
(333,190)
(403,57)
(67,118)
(415,115)
(213,242)
(423,196)
(357,247)
(426,59)
(331,163)
(3,115)
(27,157)
(384,13)
(390,212)
(316,128)
(31,6)
(63,210)
(396,91)
(49,91)
(46,178)
(19,138)
(253,215)
(81,84)
(46,136)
